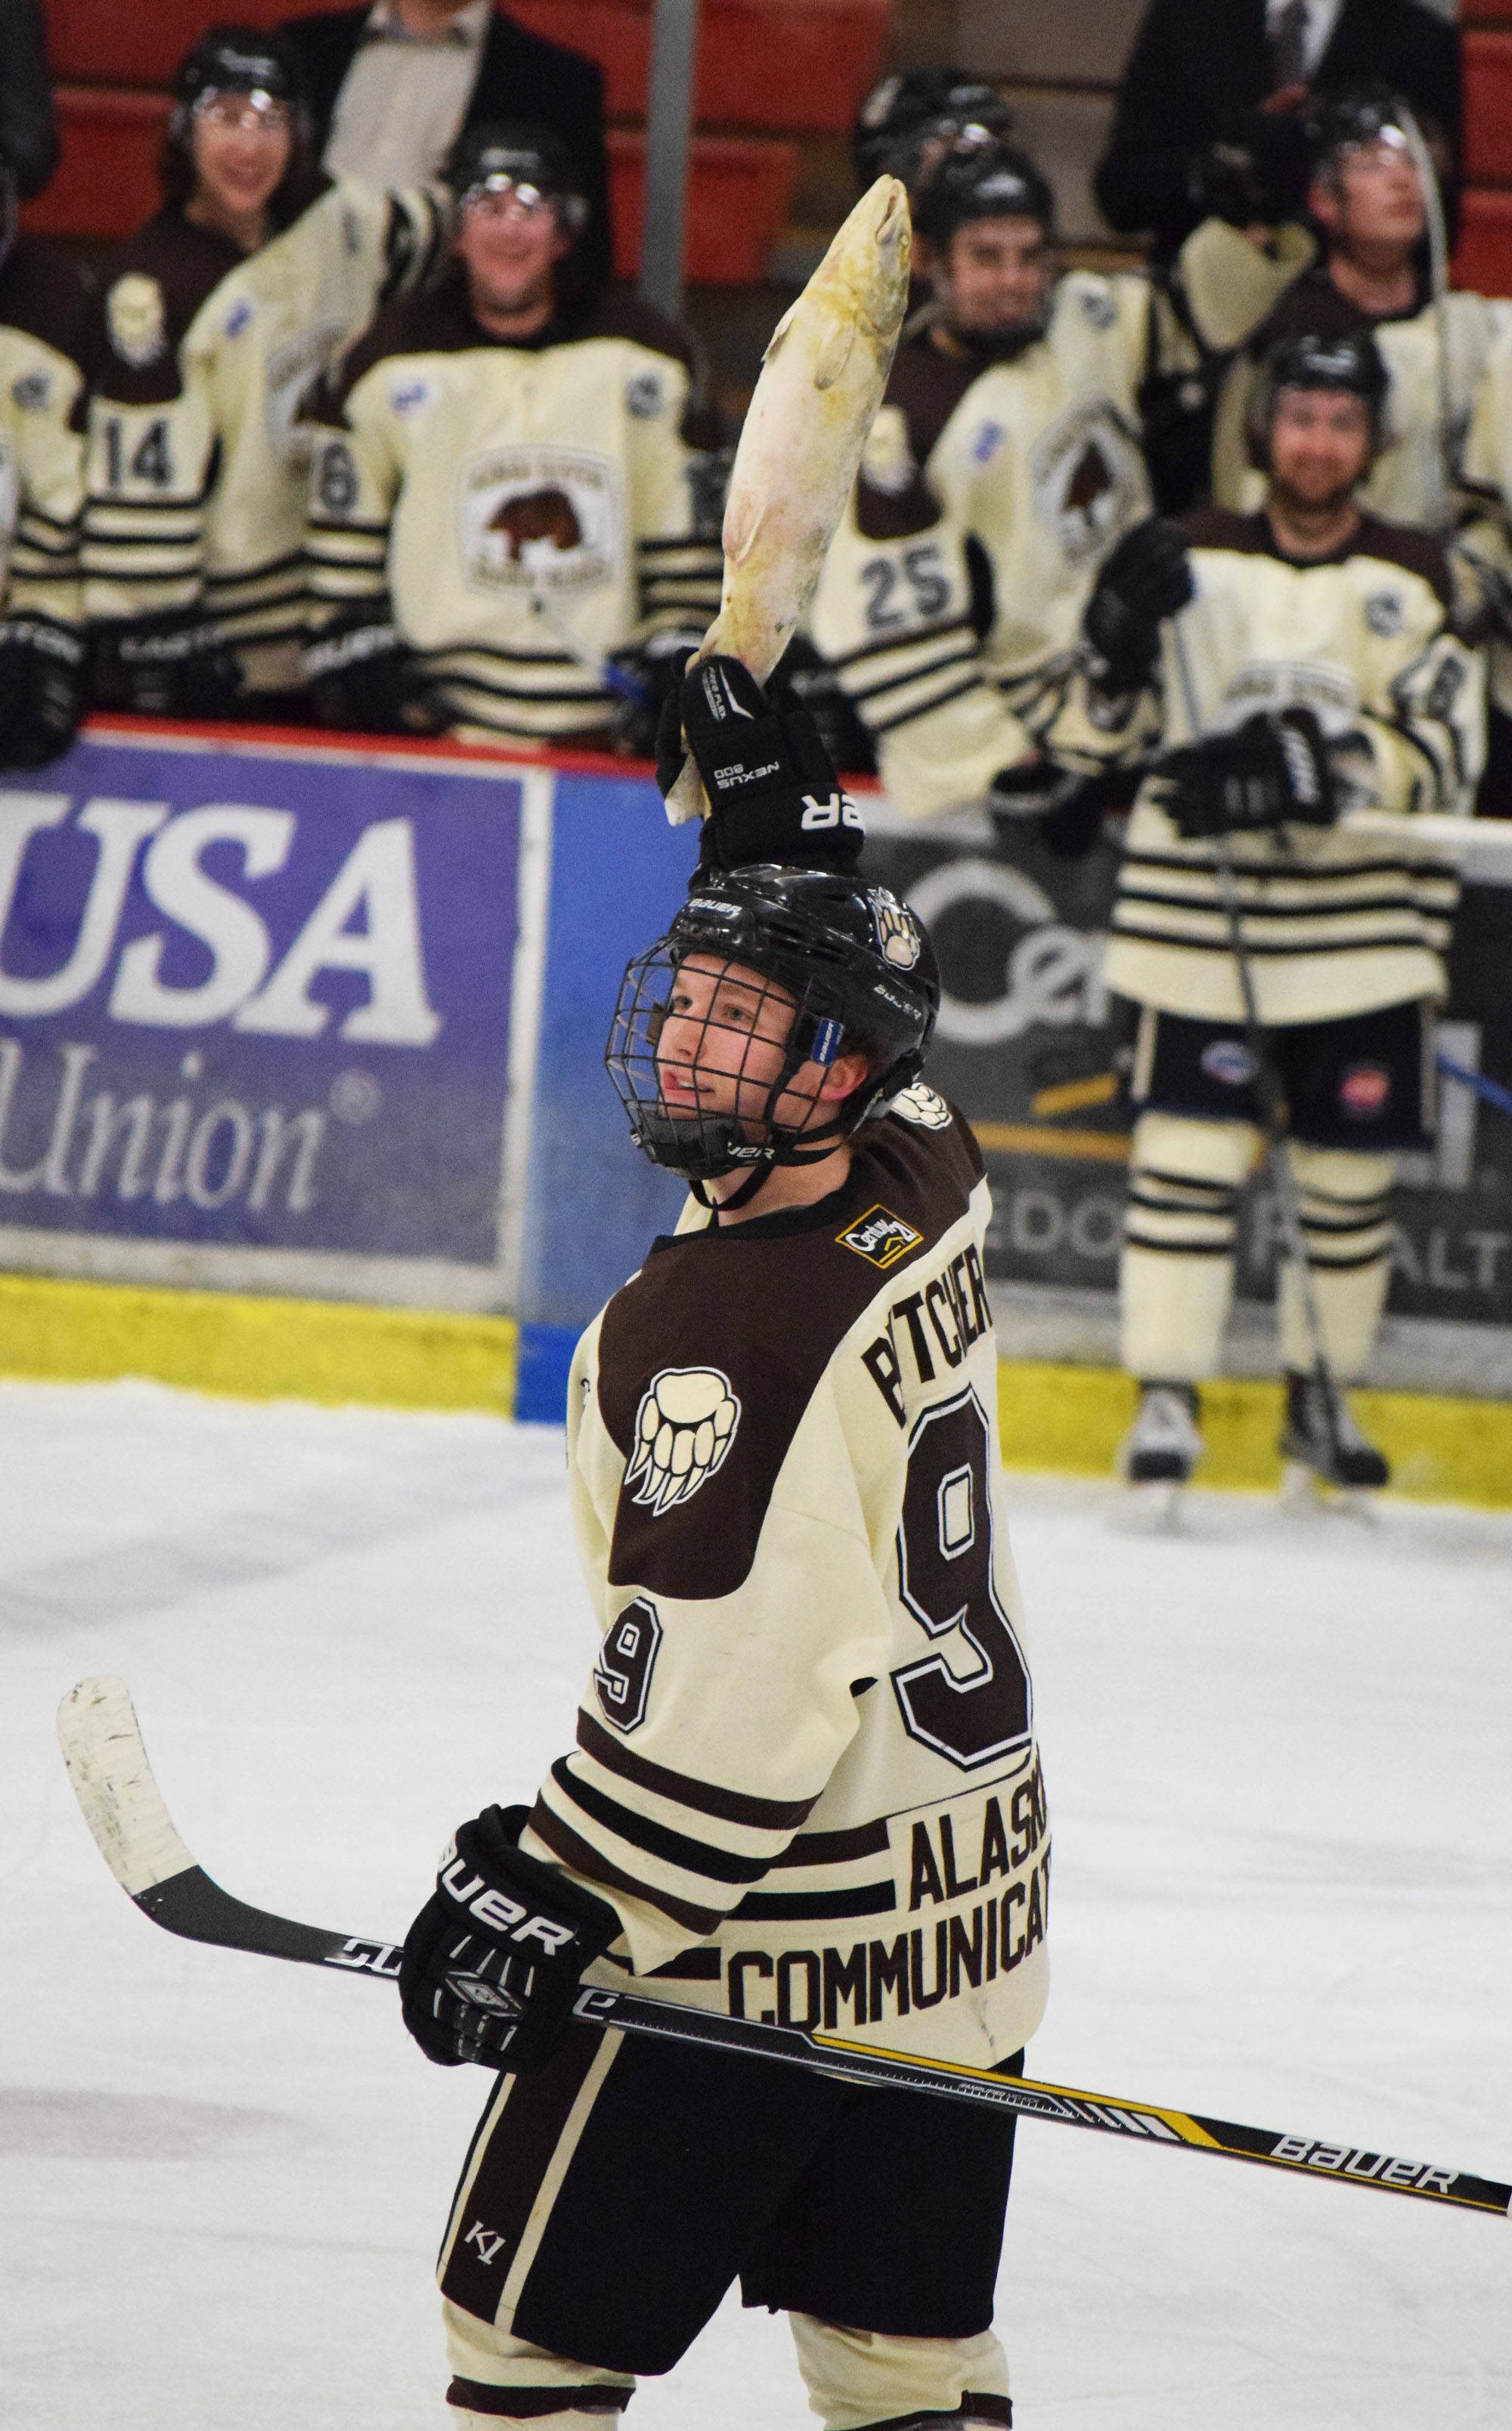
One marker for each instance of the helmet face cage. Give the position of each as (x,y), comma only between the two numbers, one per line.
(731,1064)
(803,993)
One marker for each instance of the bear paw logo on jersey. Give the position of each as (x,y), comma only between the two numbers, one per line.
(897,937)
(137,319)
(881,1237)
(922,1105)
(539,518)
(1088,479)
(684,1430)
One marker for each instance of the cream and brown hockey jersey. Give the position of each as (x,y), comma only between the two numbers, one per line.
(990,493)
(198,449)
(525,508)
(806,1772)
(1446,363)
(41,458)
(1335,923)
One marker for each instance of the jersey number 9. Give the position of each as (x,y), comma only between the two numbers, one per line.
(945,1577)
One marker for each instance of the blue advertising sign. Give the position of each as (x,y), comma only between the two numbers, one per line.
(618,873)
(257,998)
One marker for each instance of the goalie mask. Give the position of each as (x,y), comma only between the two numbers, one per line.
(727,1026)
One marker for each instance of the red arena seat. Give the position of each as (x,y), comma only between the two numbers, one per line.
(798,65)
(107,179)
(738,195)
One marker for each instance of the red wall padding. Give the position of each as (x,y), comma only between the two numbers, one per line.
(1483,258)
(787,64)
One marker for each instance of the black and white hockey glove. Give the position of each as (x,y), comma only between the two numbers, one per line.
(772,787)
(361,676)
(492,1962)
(41,689)
(1273,771)
(166,666)
(1146,579)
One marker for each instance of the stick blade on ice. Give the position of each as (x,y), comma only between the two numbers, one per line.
(101,1739)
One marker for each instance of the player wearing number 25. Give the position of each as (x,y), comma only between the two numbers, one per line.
(805,1786)
(214,324)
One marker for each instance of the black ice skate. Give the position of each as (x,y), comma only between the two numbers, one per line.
(1320,1434)
(1163,1446)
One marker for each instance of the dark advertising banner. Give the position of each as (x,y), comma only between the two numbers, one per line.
(1029,1045)
(257,999)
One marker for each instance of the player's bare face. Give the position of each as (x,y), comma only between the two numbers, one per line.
(1319,448)
(240,144)
(1374,205)
(997,275)
(721,1047)
(509,242)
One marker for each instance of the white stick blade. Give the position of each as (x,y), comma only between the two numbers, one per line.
(122,1804)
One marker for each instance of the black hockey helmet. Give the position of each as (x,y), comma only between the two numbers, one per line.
(1349,363)
(979,176)
(1352,120)
(885,137)
(518,154)
(860,973)
(247,60)
(236,58)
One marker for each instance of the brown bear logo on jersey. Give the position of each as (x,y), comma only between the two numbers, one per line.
(540,514)
(684,1430)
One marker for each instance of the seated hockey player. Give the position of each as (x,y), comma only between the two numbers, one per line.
(1373,272)
(805,1784)
(505,527)
(1002,466)
(215,323)
(1324,674)
(41,492)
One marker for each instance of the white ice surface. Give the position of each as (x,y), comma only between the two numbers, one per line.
(1279,1751)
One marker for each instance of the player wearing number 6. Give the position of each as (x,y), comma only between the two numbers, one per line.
(805,1785)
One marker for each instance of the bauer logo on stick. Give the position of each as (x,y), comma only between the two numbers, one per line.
(684,1430)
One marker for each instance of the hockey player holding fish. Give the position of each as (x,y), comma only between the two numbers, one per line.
(805,1784)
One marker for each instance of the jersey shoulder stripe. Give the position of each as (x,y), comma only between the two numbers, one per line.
(746,1320)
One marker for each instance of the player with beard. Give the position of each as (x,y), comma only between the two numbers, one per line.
(805,1784)
(1004,463)
(1314,645)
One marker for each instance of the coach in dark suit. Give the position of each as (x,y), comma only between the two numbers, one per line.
(1202,72)
(393,61)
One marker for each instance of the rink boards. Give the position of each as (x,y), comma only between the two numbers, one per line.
(312,1033)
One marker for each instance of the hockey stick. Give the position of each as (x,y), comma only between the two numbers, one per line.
(123,1807)
(1490,1091)
(1267,1082)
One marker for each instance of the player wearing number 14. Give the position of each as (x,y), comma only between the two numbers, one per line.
(805,1786)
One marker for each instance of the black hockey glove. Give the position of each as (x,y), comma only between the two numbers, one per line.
(41,689)
(360,677)
(167,666)
(1146,579)
(1275,770)
(772,788)
(492,1963)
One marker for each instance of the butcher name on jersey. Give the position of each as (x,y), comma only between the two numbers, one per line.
(539,518)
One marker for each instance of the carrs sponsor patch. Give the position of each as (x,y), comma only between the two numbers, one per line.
(881,1237)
